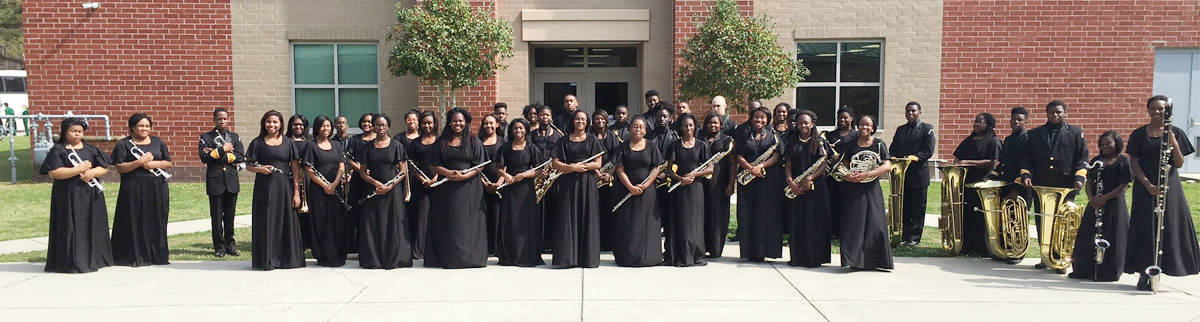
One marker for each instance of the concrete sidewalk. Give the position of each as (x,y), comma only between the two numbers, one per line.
(919,289)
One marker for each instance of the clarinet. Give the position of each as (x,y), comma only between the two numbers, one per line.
(648,179)
(1101,243)
(273,169)
(388,183)
(1160,203)
(322,177)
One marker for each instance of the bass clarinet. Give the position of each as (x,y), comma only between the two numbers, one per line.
(1098,239)
(1160,203)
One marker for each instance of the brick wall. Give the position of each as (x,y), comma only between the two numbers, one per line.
(1097,56)
(169,59)
(477,99)
(689,16)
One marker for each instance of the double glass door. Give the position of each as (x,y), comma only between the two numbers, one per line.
(595,91)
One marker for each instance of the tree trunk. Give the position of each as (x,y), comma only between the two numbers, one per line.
(441,99)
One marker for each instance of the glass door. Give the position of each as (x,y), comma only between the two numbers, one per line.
(551,88)
(1176,75)
(605,91)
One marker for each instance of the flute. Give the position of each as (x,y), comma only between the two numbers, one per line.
(447,179)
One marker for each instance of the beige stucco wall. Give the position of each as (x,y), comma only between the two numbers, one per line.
(912,35)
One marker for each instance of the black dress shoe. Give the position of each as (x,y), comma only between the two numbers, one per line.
(1039,266)
(1060,271)
(219,253)
(1143,283)
(232,251)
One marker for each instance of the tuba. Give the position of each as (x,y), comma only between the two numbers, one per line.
(1060,225)
(895,210)
(1007,221)
(951,221)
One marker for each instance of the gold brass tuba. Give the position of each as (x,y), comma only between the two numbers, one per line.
(1007,220)
(895,210)
(951,221)
(1060,225)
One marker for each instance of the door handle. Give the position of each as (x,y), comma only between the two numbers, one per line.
(1192,122)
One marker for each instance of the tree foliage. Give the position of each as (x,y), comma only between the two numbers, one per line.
(449,45)
(12,39)
(737,57)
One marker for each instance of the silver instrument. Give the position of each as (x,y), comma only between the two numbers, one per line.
(1160,203)
(137,153)
(647,180)
(397,178)
(1101,243)
(322,177)
(447,179)
(75,161)
(489,182)
(704,166)
(539,167)
(787,191)
(273,168)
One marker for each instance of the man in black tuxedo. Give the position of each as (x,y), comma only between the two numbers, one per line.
(1056,156)
(914,141)
(222,152)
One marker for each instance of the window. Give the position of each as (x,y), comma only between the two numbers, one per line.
(844,73)
(13,84)
(335,79)
(591,57)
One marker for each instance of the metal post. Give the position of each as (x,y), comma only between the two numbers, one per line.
(12,152)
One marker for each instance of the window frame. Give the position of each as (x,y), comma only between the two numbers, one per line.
(336,86)
(837,84)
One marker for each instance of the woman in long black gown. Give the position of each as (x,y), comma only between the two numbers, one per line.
(835,141)
(419,205)
(979,152)
(520,231)
(383,240)
(685,239)
(276,235)
(78,218)
(760,203)
(865,241)
(139,236)
(610,141)
(491,138)
(636,225)
(717,189)
(458,232)
(808,233)
(330,239)
(359,188)
(1114,217)
(1180,253)
(575,227)
(298,133)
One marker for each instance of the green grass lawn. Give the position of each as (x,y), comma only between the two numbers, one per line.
(26,210)
(184,247)
(24,164)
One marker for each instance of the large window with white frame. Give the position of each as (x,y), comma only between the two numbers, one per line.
(335,79)
(844,73)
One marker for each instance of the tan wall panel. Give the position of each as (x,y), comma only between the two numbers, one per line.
(576,30)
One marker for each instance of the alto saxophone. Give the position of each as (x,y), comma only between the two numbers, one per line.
(704,166)
(791,194)
(744,176)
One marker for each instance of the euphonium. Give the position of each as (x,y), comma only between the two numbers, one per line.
(896,174)
(744,176)
(787,191)
(1060,225)
(951,221)
(1007,220)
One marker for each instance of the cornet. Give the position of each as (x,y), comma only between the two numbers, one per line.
(75,161)
(137,153)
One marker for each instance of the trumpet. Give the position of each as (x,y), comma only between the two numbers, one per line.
(447,179)
(322,177)
(607,168)
(137,153)
(744,176)
(393,181)
(647,180)
(540,189)
(788,192)
(75,161)
(704,166)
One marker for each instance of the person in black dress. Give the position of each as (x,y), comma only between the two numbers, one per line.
(412,123)
(298,132)
(915,141)
(685,239)
(760,205)
(610,142)
(1114,214)
(222,158)
(78,240)
(458,231)
(530,112)
(1056,156)
(636,224)
(865,241)
(420,205)
(275,236)
(1180,253)
(519,235)
(835,141)
(331,242)
(808,233)
(359,188)
(489,135)
(718,188)
(383,240)
(139,236)
(546,136)
(979,152)
(576,226)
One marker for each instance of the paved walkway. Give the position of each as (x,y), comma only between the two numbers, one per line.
(919,289)
(175,228)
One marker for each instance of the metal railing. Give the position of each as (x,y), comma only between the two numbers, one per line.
(43,143)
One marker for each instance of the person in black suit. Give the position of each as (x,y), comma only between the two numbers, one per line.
(223,157)
(1056,156)
(914,141)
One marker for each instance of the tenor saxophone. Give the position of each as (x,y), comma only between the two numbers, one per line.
(791,194)
(744,176)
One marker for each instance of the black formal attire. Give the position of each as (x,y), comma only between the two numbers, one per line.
(1180,253)
(914,139)
(728,125)
(836,143)
(356,149)
(760,203)
(502,130)
(383,230)
(1056,156)
(519,235)
(491,201)
(1114,226)
(662,138)
(685,238)
(330,228)
(458,232)
(564,121)
(637,224)
(865,241)
(139,236)
(221,184)
(608,197)
(576,226)
(78,218)
(621,130)
(546,138)
(306,222)
(1009,168)
(275,236)
(716,202)
(808,232)
(403,139)
(974,224)
(420,202)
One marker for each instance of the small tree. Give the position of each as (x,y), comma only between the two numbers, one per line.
(738,57)
(449,45)
(12,39)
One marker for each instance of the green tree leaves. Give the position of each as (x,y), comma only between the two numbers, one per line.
(12,39)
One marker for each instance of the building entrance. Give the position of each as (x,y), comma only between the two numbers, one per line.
(601,77)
